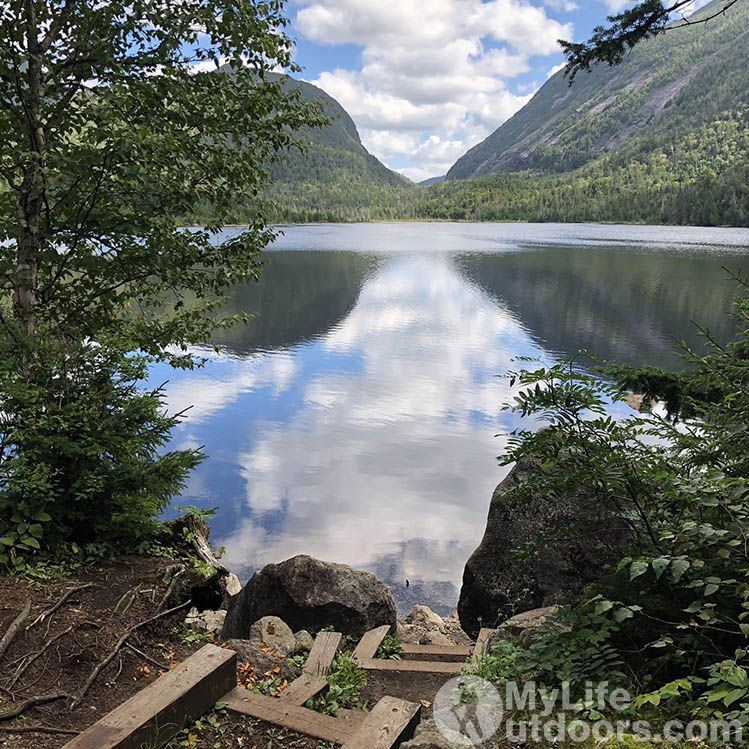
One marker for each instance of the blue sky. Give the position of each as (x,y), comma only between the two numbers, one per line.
(425,80)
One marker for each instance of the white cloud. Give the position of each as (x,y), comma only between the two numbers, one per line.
(433,78)
(615,6)
(556,69)
(565,6)
(390,412)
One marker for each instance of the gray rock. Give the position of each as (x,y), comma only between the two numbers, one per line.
(524,625)
(310,594)
(425,627)
(497,581)
(423,616)
(264,663)
(428,736)
(232,585)
(304,641)
(273,632)
(205,621)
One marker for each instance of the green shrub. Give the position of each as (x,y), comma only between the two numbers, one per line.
(676,607)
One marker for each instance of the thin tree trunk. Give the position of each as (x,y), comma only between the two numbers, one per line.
(30,200)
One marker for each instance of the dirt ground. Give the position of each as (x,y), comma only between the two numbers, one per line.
(53,672)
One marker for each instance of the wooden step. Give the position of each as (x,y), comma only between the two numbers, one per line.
(434,667)
(295,718)
(371,641)
(410,648)
(301,689)
(155,714)
(482,642)
(322,653)
(390,720)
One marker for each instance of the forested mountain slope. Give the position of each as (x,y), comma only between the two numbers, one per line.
(334,178)
(668,89)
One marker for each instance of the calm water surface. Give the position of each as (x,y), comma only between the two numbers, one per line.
(358,417)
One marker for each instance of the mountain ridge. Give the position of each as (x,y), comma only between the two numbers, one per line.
(565,127)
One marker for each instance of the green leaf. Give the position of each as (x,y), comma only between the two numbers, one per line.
(36,530)
(678,568)
(659,565)
(623,564)
(733,696)
(710,589)
(638,568)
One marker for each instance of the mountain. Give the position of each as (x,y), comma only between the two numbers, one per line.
(334,178)
(431,181)
(662,137)
(666,88)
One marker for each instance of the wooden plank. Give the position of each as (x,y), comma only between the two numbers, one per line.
(482,642)
(368,644)
(434,667)
(322,653)
(388,721)
(293,717)
(354,718)
(301,689)
(155,714)
(410,648)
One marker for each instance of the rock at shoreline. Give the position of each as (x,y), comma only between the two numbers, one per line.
(423,626)
(310,594)
(497,582)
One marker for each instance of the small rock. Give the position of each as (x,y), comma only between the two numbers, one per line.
(434,638)
(232,586)
(274,633)
(425,627)
(205,621)
(524,625)
(304,641)
(428,736)
(265,664)
(638,402)
(423,616)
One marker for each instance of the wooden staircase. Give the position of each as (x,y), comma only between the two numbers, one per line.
(158,712)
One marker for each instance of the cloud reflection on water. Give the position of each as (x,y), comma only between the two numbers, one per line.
(356,422)
(385,464)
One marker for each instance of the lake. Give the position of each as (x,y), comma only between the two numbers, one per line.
(357,418)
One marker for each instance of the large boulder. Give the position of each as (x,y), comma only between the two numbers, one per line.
(310,594)
(500,579)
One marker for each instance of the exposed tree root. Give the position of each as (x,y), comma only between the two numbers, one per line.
(38,729)
(65,597)
(113,653)
(33,702)
(14,628)
(22,669)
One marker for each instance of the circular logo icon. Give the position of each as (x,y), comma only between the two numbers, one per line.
(467,710)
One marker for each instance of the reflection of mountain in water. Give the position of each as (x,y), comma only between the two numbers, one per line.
(620,305)
(300,295)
